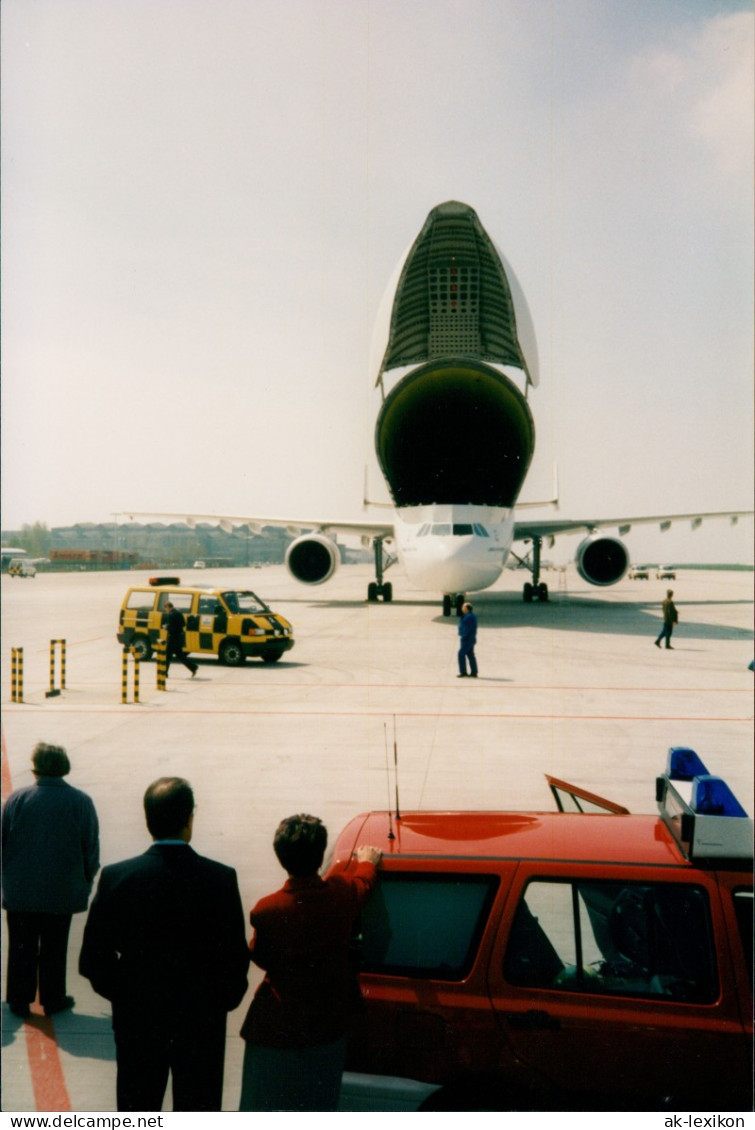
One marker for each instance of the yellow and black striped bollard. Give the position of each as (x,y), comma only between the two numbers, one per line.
(162,648)
(53,655)
(17,674)
(124,675)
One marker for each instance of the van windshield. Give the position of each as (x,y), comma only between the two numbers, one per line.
(245,601)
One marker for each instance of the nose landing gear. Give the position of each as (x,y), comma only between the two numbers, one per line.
(536,589)
(378,588)
(454,601)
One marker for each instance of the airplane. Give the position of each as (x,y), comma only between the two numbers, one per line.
(454,358)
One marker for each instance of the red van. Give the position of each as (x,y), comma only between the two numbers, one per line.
(582,959)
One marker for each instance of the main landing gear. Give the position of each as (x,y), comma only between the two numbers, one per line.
(453,601)
(378,588)
(536,589)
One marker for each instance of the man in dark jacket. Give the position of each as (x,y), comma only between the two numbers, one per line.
(174,625)
(467,641)
(670,618)
(50,840)
(165,943)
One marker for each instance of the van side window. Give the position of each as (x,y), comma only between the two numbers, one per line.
(208,605)
(425,925)
(141,601)
(182,601)
(632,939)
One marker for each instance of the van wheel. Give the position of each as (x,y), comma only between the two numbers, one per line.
(142,648)
(231,653)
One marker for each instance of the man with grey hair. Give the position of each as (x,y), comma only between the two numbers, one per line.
(50,840)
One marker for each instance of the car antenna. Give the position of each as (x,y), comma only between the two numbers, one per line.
(388,783)
(395,767)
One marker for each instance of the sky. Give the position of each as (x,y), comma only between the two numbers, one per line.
(203,201)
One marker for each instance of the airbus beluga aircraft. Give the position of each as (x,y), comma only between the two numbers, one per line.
(454,359)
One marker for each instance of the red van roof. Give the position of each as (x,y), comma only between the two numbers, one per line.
(558,836)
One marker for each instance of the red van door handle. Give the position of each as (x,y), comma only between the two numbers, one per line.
(534,1019)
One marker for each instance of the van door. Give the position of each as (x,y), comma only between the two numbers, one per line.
(425,936)
(612,986)
(183,602)
(212,623)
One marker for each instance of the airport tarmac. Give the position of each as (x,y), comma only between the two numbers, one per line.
(574,688)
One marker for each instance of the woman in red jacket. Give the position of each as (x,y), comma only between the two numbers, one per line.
(295,1029)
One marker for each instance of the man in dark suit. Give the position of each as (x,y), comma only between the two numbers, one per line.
(174,623)
(165,943)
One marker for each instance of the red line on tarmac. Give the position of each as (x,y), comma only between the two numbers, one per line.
(47,1078)
(146,709)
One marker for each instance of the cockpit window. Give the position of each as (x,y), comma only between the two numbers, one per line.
(480,531)
(461,529)
(441,529)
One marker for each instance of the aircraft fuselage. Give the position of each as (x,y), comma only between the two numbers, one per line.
(453,548)
(454,435)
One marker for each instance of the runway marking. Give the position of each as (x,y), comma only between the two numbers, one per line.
(539,687)
(147,710)
(47,1078)
(74,643)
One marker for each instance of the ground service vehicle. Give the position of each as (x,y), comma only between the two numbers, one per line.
(637,573)
(665,574)
(230,623)
(19,568)
(584,959)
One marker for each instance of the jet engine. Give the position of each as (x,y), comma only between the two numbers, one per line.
(601,560)
(312,559)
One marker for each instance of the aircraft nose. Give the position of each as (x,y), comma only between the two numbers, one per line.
(457,564)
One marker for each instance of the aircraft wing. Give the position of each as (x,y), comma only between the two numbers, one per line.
(549,527)
(255,525)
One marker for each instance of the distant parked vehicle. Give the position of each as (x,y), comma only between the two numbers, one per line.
(22,569)
(665,574)
(638,574)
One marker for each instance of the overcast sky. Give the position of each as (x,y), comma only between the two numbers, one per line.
(203,201)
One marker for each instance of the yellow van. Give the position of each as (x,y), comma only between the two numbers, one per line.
(229,623)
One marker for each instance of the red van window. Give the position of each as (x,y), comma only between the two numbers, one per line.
(637,939)
(425,925)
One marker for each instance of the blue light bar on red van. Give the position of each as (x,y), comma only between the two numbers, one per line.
(683,764)
(701,811)
(712,797)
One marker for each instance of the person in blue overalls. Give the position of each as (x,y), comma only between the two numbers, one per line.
(468,639)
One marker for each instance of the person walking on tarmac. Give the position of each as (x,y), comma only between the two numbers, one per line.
(670,618)
(467,641)
(174,624)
